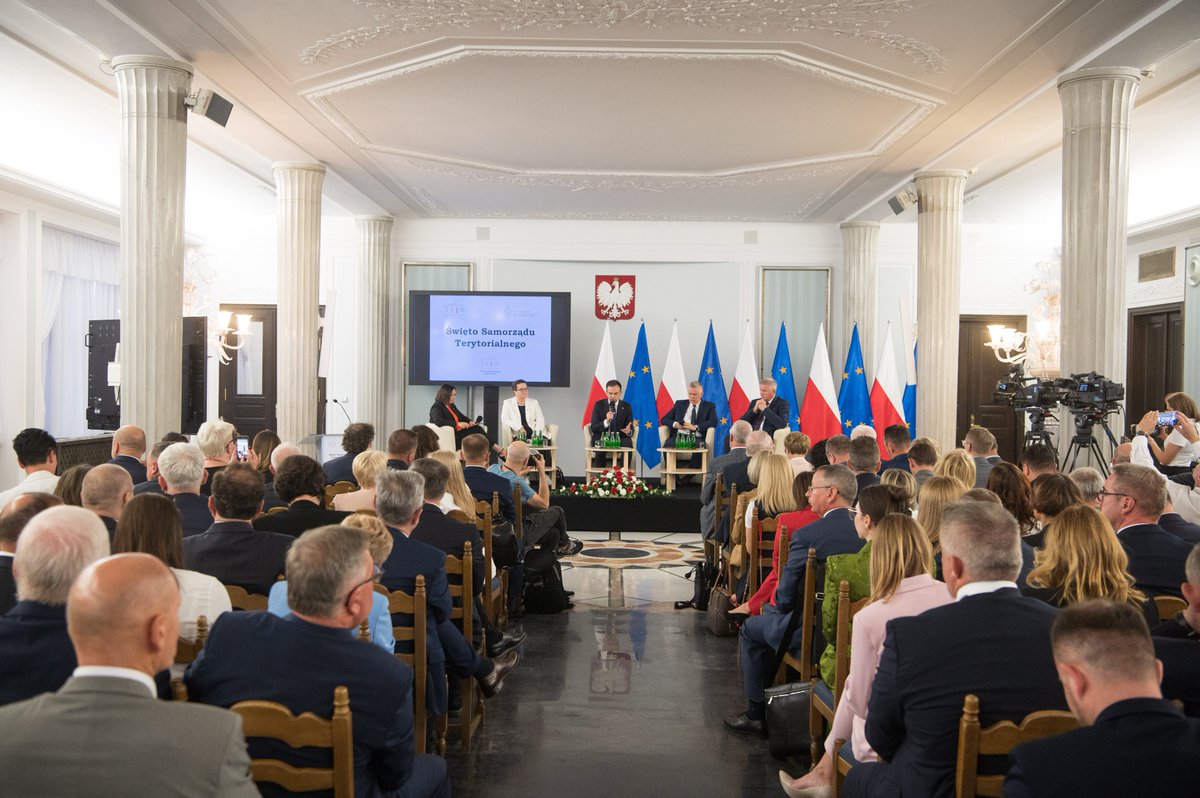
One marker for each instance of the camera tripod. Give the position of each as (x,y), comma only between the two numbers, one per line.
(1037,427)
(1085,440)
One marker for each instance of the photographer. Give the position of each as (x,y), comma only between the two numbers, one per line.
(1176,454)
(544,525)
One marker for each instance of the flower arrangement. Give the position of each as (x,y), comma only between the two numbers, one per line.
(612,483)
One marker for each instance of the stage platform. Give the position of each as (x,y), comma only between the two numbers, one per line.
(679,512)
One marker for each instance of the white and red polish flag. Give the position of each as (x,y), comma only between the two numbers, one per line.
(606,370)
(673,387)
(745,379)
(819,417)
(887,394)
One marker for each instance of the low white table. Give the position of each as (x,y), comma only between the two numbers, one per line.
(671,469)
(617,458)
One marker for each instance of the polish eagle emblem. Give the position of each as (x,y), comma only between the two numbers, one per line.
(614,296)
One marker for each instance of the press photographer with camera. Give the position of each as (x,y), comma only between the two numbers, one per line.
(1175,455)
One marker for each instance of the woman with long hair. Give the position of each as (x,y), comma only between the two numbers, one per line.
(957,464)
(937,494)
(260,452)
(902,585)
(1176,453)
(790,521)
(69,487)
(774,481)
(1011,485)
(1082,559)
(366,467)
(458,495)
(1050,495)
(427,441)
(151,524)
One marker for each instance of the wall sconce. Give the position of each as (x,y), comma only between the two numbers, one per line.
(1007,344)
(226,335)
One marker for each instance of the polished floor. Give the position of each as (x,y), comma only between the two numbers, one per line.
(622,695)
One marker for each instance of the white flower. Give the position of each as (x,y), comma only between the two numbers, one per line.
(622,491)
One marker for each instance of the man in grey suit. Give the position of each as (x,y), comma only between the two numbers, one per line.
(980,443)
(737,452)
(104,733)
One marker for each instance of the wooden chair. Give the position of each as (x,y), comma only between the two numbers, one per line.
(495,582)
(519,526)
(412,605)
(338,488)
(840,768)
(269,719)
(825,697)
(274,510)
(759,555)
(241,599)
(724,509)
(186,651)
(463,616)
(712,548)
(1169,606)
(364,632)
(739,532)
(997,739)
(805,626)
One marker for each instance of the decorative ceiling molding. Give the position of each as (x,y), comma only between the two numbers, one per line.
(862,20)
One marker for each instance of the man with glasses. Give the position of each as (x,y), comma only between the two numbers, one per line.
(832,492)
(299,659)
(1132,500)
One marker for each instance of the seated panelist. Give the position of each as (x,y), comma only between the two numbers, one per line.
(692,414)
(520,414)
(610,414)
(443,413)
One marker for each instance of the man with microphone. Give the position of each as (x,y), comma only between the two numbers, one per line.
(612,415)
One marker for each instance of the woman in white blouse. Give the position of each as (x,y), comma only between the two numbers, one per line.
(520,413)
(1176,454)
(367,466)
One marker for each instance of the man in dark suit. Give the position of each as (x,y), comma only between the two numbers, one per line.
(769,412)
(151,484)
(106,489)
(897,443)
(13,518)
(36,655)
(612,415)
(992,642)
(231,549)
(1131,740)
(832,492)
(1187,623)
(299,660)
(864,461)
(279,455)
(104,733)
(738,432)
(300,482)
(128,446)
(1132,500)
(1174,524)
(693,414)
(482,483)
(181,472)
(980,443)
(399,502)
(356,438)
(401,446)
(737,474)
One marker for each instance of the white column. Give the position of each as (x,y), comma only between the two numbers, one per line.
(1096,105)
(858,296)
(939,261)
(152,91)
(375,249)
(298,188)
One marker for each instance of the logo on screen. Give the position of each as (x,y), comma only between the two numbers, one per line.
(455,309)
(615,296)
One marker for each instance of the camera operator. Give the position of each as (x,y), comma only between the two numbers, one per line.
(1175,455)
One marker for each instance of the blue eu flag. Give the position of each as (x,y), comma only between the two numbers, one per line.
(640,394)
(854,401)
(781,370)
(713,384)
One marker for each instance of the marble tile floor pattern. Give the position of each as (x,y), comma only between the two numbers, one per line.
(621,696)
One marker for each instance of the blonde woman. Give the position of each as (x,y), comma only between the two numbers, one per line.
(458,495)
(902,584)
(937,494)
(774,479)
(366,467)
(957,464)
(1082,560)
(904,480)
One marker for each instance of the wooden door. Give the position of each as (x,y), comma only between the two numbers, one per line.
(1155,359)
(247,391)
(978,372)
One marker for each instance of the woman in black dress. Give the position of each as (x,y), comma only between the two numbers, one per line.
(443,413)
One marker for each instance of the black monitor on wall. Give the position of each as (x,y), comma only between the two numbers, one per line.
(489,337)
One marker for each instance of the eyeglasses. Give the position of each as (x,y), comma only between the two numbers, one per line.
(376,572)
(817,487)
(1104,493)
(854,511)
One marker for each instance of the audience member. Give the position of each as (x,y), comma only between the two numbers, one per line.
(1173,523)
(896,442)
(366,467)
(37,455)
(13,518)
(769,412)
(1038,459)
(1122,453)
(1050,495)
(1131,740)
(401,448)
(1186,497)
(545,525)
(901,585)
(774,481)
(104,733)
(817,456)
(356,438)
(862,431)
(959,465)
(980,495)
(789,522)
(1089,481)
(261,448)
(35,653)
(483,483)
(181,474)
(991,641)
(1013,489)
(128,446)
(429,442)
(796,445)
(280,453)
(300,482)
(1187,623)
(922,459)
(837,450)
(610,414)
(444,413)
(902,479)
(69,487)
(231,549)
(737,474)
(738,432)
(298,660)
(152,525)
(217,440)
(152,471)
(1176,454)
(1132,500)
(938,494)
(980,444)
(864,461)
(458,496)
(105,491)
(831,494)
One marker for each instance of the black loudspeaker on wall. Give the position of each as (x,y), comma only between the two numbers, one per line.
(104,409)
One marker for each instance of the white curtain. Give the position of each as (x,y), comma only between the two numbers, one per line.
(80,282)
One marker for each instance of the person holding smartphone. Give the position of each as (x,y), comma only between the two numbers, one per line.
(1175,455)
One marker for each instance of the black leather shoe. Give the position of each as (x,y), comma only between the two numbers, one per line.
(492,682)
(506,643)
(742,724)
(570,549)
(568,593)
(684,605)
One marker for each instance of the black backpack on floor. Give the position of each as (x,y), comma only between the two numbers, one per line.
(544,594)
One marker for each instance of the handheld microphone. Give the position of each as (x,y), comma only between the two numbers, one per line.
(478,419)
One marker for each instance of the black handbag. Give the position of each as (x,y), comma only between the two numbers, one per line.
(787,719)
(719,603)
(505,551)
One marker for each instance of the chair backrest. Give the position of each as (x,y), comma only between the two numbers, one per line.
(242,599)
(483,522)
(846,610)
(808,616)
(778,437)
(1169,606)
(999,738)
(445,437)
(338,488)
(269,719)
(412,605)
(718,500)
(463,611)
(187,650)
(519,526)
(364,632)
(760,542)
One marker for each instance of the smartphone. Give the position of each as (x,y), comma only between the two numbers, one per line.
(243,447)
(1168,418)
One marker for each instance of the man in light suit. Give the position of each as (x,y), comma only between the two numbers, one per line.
(104,732)
(692,414)
(769,412)
(738,432)
(1132,741)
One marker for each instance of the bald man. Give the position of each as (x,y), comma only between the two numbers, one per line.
(106,490)
(35,653)
(104,732)
(280,453)
(128,448)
